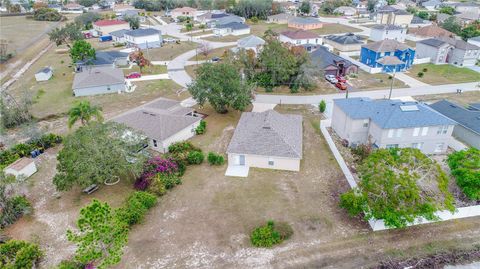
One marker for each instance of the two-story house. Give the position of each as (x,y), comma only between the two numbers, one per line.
(370,54)
(184,12)
(143,38)
(448,50)
(304,23)
(300,38)
(391,123)
(391,15)
(388,31)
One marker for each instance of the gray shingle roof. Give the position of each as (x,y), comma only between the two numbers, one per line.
(387,27)
(322,58)
(233,26)
(159,120)
(108,57)
(432,42)
(465,117)
(229,19)
(281,16)
(118,33)
(301,20)
(143,32)
(346,39)
(388,114)
(250,42)
(386,45)
(98,76)
(268,133)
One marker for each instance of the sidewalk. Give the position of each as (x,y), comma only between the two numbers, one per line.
(409,80)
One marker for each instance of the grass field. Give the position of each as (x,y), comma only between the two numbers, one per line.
(464,98)
(149,70)
(367,81)
(213,53)
(169,51)
(443,74)
(227,38)
(335,28)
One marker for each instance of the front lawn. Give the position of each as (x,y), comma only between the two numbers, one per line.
(367,81)
(443,74)
(169,51)
(213,53)
(148,70)
(335,28)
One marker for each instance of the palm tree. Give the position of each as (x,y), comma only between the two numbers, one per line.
(84,112)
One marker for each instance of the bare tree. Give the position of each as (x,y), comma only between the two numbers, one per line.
(205,49)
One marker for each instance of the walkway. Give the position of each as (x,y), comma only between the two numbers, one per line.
(410,81)
(377,94)
(149,77)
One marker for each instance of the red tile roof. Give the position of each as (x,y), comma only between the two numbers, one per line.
(299,34)
(109,22)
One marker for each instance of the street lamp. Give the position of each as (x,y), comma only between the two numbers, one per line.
(390,61)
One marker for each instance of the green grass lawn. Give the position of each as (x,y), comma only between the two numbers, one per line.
(443,74)
(367,81)
(149,70)
(169,51)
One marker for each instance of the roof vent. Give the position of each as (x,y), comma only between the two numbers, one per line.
(267,127)
(409,108)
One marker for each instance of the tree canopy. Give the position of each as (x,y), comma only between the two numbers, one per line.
(83,111)
(451,24)
(96,153)
(465,167)
(46,14)
(398,186)
(222,86)
(66,35)
(87,19)
(82,51)
(253,8)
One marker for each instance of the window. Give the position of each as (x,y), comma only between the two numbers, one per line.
(391,146)
(271,162)
(390,133)
(154,143)
(417,145)
(442,129)
(439,147)
(424,131)
(416,131)
(365,123)
(399,132)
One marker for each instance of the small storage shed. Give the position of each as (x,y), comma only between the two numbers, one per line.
(44,74)
(22,168)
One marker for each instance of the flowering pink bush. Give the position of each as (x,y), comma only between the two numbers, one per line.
(154,166)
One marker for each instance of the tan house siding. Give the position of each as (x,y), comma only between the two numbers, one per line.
(310,26)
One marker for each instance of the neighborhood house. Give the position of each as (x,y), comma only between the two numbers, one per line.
(388,31)
(232,28)
(143,38)
(332,64)
(164,122)
(391,124)
(98,80)
(184,12)
(105,27)
(373,52)
(448,50)
(281,18)
(391,15)
(429,32)
(253,43)
(22,168)
(304,23)
(44,74)
(468,128)
(299,37)
(265,140)
(345,43)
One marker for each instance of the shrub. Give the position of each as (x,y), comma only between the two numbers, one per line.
(195,157)
(19,254)
(161,183)
(362,151)
(215,159)
(66,264)
(254,19)
(201,128)
(424,70)
(135,207)
(465,167)
(270,234)
(154,166)
(181,147)
(14,208)
(322,106)
(420,74)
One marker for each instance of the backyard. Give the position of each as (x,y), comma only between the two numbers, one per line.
(443,74)
(205,222)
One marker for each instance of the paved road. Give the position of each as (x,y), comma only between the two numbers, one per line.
(378,94)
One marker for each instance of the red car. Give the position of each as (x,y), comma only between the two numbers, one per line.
(341,86)
(341,79)
(133,75)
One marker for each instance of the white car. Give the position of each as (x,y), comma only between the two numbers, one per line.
(331,79)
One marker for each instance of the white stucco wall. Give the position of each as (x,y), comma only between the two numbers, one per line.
(378,35)
(99,90)
(24,173)
(286,39)
(280,163)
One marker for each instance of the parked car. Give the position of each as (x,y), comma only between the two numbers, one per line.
(169,40)
(331,79)
(341,79)
(215,59)
(341,86)
(133,75)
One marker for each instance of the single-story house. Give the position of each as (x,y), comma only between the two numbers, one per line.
(345,43)
(250,42)
(388,31)
(344,10)
(207,17)
(332,64)
(371,53)
(391,15)
(184,12)
(132,13)
(430,31)
(22,168)
(164,122)
(144,38)
(266,140)
(300,37)
(44,74)
(391,124)
(114,58)
(468,128)
(98,80)
(304,23)
(222,20)
(281,18)
(119,35)
(104,27)
(448,50)
(72,8)
(432,4)
(233,28)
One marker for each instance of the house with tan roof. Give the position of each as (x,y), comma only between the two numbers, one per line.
(265,140)
(430,31)
(304,23)
(391,15)
(300,38)
(281,18)
(184,12)
(163,121)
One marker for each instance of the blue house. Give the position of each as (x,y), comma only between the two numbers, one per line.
(370,55)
